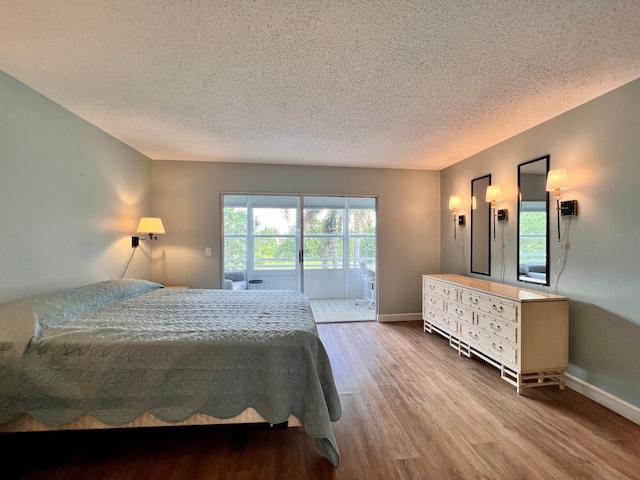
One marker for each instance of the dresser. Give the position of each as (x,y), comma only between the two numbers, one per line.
(523,333)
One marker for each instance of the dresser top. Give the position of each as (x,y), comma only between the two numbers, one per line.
(500,289)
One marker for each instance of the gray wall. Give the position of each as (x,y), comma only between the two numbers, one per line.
(598,143)
(187,197)
(70,197)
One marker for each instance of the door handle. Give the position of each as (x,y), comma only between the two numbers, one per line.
(300,256)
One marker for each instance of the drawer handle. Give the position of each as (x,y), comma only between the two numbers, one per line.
(447,321)
(459,312)
(446,292)
(473,301)
(473,336)
(495,328)
(433,301)
(497,309)
(432,287)
(498,348)
(432,314)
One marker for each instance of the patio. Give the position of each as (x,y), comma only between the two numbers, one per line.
(332,310)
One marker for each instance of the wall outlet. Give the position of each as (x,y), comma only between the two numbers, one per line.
(207,252)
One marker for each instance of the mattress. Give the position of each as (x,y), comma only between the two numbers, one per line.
(173,354)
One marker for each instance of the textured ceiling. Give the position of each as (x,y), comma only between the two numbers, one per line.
(396,84)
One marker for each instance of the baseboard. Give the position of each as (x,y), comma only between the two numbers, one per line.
(598,395)
(399,317)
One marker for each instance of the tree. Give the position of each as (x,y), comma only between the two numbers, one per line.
(235,248)
(235,220)
(360,221)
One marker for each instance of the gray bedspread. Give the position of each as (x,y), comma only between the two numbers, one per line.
(178,352)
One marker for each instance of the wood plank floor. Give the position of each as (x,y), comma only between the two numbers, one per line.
(412,409)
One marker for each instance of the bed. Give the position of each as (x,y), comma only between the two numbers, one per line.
(131,353)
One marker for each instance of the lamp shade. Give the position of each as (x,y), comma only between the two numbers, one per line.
(150,225)
(454,202)
(557,180)
(493,193)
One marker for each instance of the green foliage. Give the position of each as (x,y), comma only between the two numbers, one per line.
(362,221)
(533,223)
(322,221)
(533,237)
(323,243)
(235,253)
(235,220)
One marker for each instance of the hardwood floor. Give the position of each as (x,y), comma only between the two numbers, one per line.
(412,409)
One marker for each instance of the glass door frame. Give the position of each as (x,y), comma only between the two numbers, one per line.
(299,236)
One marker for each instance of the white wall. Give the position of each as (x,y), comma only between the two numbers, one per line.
(598,143)
(70,197)
(187,197)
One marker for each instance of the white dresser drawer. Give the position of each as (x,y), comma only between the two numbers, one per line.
(447,291)
(504,330)
(432,301)
(478,339)
(496,347)
(430,315)
(493,306)
(470,299)
(430,286)
(469,334)
(444,290)
(459,312)
(505,310)
(447,322)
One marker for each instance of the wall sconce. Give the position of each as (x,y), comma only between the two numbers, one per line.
(150,225)
(454,204)
(558,180)
(495,195)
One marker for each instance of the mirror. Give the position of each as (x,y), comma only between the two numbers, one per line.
(480,227)
(533,222)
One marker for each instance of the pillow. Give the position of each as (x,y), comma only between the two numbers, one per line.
(109,291)
(58,307)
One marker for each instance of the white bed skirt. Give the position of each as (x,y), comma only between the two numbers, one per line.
(26,423)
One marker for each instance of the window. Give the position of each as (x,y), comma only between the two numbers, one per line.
(533,233)
(274,238)
(362,236)
(323,238)
(235,238)
(261,232)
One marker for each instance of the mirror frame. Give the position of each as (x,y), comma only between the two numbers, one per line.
(547,159)
(475,217)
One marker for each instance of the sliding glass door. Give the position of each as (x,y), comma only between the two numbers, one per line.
(261,240)
(339,233)
(313,244)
